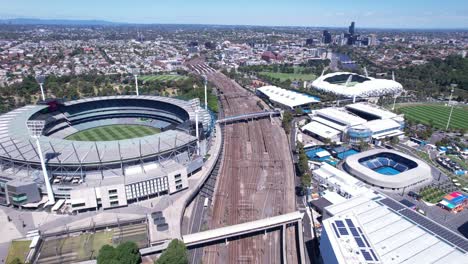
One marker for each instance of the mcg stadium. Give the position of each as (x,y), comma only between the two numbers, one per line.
(349,84)
(388,169)
(139,146)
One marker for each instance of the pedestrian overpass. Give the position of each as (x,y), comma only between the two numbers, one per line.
(249,116)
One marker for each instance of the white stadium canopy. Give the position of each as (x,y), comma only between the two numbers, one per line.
(355,85)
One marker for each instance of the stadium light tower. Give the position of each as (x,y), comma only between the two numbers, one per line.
(451,93)
(450,117)
(35,129)
(206,95)
(196,132)
(394,101)
(135,74)
(40,80)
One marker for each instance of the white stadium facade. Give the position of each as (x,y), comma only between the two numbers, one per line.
(351,85)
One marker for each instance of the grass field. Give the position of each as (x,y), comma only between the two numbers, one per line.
(113,132)
(290,76)
(18,249)
(85,246)
(436,114)
(161,78)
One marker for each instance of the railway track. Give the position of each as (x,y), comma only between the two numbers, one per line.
(256,180)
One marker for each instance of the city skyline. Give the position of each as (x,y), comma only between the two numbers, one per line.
(367,14)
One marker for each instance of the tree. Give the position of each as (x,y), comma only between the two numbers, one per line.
(15,261)
(306,180)
(176,253)
(128,253)
(394,140)
(125,253)
(286,122)
(106,253)
(303,163)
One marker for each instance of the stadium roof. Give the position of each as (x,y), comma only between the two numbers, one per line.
(382,124)
(368,88)
(372,110)
(421,172)
(340,115)
(393,232)
(321,130)
(287,97)
(16,143)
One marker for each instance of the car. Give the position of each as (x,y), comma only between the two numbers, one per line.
(300,191)
(414,195)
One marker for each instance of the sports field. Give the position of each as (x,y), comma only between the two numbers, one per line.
(162,78)
(113,132)
(437,115)
(289,76)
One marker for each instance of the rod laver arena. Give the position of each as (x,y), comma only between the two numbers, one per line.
(135,146)
(388,169)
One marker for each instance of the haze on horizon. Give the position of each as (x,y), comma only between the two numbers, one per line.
(432,14)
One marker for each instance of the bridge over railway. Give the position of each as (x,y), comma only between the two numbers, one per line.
(233,232)
(249,116)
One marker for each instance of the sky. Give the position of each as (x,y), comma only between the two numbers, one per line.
(313,13)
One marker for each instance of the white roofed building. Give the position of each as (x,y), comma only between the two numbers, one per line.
(354,123)
(339,181)
(354,85)
(372,228)
(286,98)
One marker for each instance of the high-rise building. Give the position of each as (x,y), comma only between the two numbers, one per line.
(326,38)
(372,40)
(351,28)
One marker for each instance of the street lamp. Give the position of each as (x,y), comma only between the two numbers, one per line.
(40,80)
(135,74)
(35,129)
(196,132)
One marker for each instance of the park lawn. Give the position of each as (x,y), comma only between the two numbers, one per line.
(432,195)
(113,132)
(437,115)
(290,76)
(18,249)
(162,77)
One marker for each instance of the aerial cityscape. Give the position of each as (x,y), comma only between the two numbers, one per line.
(239,132)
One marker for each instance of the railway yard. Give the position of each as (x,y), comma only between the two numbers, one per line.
(256,181)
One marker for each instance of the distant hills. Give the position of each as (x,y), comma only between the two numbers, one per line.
(36,21)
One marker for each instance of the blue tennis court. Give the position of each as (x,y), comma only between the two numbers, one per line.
(349,152)
(390,171)
(311,153)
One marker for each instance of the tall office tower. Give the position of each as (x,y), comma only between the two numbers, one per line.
(351,28)
(372,40)
(326,38)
